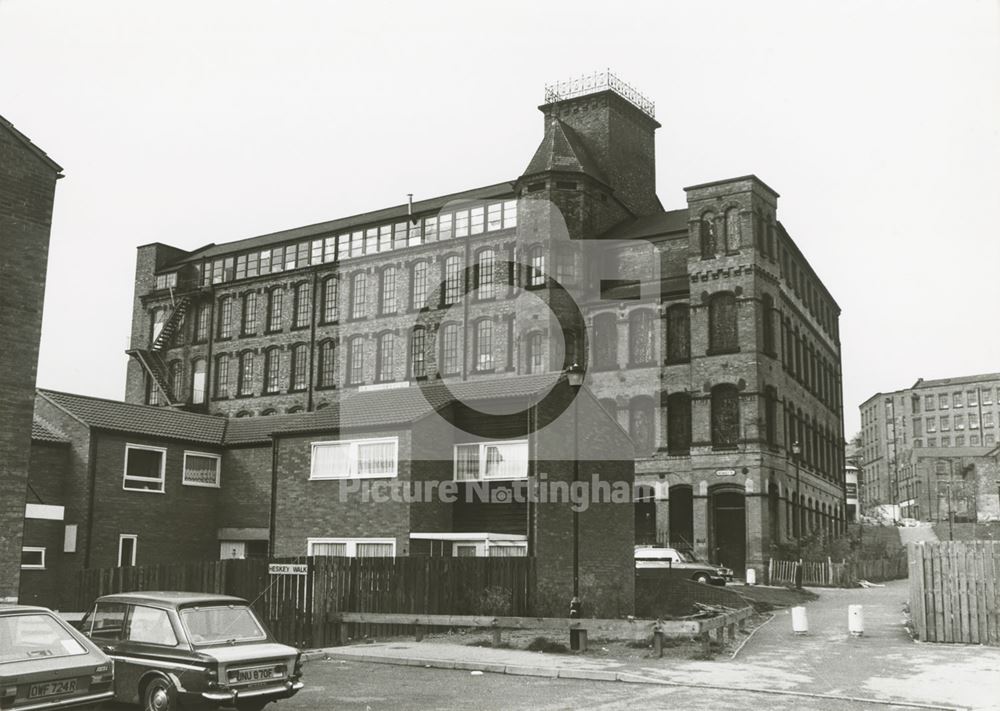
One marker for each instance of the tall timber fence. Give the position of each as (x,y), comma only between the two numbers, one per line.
(843,574)
(301,607)
(955,591)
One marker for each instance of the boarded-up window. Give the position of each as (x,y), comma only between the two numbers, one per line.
(725,417)
(678,334)
(641,337)
(722,336)
(679,423)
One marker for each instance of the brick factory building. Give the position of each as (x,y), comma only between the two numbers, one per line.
(27,190)
(703,330)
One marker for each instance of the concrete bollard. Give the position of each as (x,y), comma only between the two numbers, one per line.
(800,621)
(751,576)
(856,620)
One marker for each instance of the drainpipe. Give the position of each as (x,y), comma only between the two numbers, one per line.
(274,495)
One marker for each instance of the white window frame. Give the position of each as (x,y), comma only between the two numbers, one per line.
(135,547)
(484,548)
(34,549)
(351,545)
(207,455)
(481,476)
(353,445)
(162,480)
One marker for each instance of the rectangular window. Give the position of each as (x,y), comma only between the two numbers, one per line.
(932,441)
(942,402)
(144,468)
(510,214)
(415,235)
(932,424)
(128,543)
(959,440)
(987,419)
(241,266)
(201,469)
(355,459)
(946,441)
(32,558)
(303,305)
(452,280)
(222,376)
(388,290)
(430,229)
(253,264)
(166,281)
(484,275)
(491,460)
(300,368)
(449,349)
(418,287)
(371,240)
(250,314)
(494,217)
(359,296)
(462,223)
(272,370)
(476,220)
(928,402)
(316,257)
(989,439)
(957,400)
(399,235)
(328,364)
(418,356)
(202,324)
(226,318)
(343,247)
(917,427)
(971,398)
(974,440)
(290,256)
(330,287)
(385,238)
(329,249)
(277,298)
(246,374)
(959,422)
(357,243)
(988,396)
(484,345)
(352,547)
(356,362)
(945,423)
(537,273)
(446,226)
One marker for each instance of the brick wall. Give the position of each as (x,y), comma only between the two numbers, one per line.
(47,485)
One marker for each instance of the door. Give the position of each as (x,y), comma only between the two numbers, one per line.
(729,528)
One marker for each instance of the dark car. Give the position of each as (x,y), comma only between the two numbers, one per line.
(192,650)
(46,664)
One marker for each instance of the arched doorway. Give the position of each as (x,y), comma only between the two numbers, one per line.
(729,528)
(681,517)
(645,516)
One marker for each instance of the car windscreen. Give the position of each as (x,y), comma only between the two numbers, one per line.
(215,624)
(35,636)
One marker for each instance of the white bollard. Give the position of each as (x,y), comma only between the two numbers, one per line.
(856,620)
(751,576)
(800,622)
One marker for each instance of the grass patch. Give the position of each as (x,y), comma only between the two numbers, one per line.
(544,644)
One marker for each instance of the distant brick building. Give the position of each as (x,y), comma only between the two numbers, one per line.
(27,189)
(707,333)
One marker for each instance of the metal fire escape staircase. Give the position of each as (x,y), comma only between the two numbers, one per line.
(151,359)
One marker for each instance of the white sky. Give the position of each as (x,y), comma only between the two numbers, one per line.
(194,122)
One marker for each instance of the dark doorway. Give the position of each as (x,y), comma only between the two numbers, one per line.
(729,529)
(645,516)
(681,513)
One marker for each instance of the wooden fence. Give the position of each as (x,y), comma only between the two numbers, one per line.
(955,591)
(844,574)
(303,609)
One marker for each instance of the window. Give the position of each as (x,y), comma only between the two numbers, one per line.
(144,468)
(678,423)
(32,558)
(771,415)
(128,543)
(725,417)
(943,401)
(946,441)
(245,385)
(989,439)
(974,440)
(330,287)
(388,292)
(959,440)
(706,235)
(327,364)
(491,460)
(533,361)
(452,281)
(303,305)
(198,384)
(355,360)
(484,345)
(733,230)
(767,322)
(449,349)
(641,338)
(536,272)
(175,372)
(150,625)
(352,547)
(418,354)
(722,335)
(945,425)
(272,370)
(485,273)
(384,358)
(355,459)
(226,317)
(987,419)
(476,220)
(418,286)
(928,402)
(107,623)
(678,334)
(222,376)
(640,425)
(152,392)
(494,218)
(988,396)
(201,469)
(359,296)
(202,322)
(957,400)
(917,426)
(275,301)
(932,424)
(300,367)
(959,422)
(510,214)
(250,314)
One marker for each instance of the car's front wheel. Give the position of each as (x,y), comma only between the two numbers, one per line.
(159,695)
(701,578)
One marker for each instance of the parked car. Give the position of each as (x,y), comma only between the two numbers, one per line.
(196,650)
(46,664)
(657,557)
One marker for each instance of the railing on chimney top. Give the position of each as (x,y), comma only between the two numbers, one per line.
(593,83)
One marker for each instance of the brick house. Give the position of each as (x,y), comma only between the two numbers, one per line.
(27,190)
(704,329)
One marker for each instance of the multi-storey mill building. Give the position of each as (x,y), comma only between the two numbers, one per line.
(717,347)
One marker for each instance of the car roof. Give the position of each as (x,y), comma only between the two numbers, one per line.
(172,598)
(21,609)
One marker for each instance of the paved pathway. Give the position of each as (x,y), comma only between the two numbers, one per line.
(915,534)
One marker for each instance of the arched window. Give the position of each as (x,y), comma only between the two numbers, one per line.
(275,302)
(725,417)
(249,325)
(202,323)
(534,359)
(418,285)
(272,370)
(733,230)
(300,367)
(356,360)
(450,362)
(303,305)
(606,341)
(330,287)
(452,281)
(706,235)
(388,291)
(678,423)
(245,384)
(767,321)
(758,230)
(176,374)
(198,384)
(483,347)
(485,274)
(722,335)
(226,317)
(385,358)
(359,295)
(641,337)
(678,334)
(640,425)
(418,352)
(328,364)
(536,271)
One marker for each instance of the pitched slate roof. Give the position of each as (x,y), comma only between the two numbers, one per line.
(138,419)
(562,150)
(42,155)
(963,380)
(655,225)
(42,431)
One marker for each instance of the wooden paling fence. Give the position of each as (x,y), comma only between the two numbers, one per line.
(303,609)
(844,574)
(955,591)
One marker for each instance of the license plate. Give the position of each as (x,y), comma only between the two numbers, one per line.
(52,688)
(245,676)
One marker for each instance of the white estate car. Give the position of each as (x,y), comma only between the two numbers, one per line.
(657,557)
